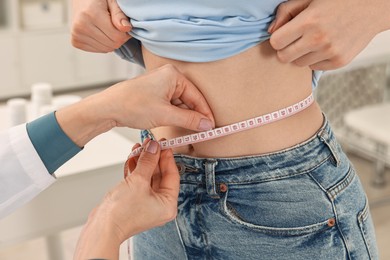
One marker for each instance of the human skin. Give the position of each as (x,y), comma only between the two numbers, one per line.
(147,197)
(98,25)
(304,35)
(303,32)
(161,97)
(241,87)
(262,77)
(132,206)
(252,85)
(326,35)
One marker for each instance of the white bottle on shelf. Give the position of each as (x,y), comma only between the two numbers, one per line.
(41,95)
(16,111)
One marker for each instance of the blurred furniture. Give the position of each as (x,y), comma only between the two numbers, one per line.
(373,123)
(35,46)
(344,95)
(338,93)
(82,183)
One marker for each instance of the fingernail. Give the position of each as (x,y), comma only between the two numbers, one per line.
(205,124)
(125,22)
(151,147)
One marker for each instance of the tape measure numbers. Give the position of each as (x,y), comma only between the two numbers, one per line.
(233,128)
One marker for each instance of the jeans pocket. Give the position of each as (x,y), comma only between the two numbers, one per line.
(286,207)
(367,230)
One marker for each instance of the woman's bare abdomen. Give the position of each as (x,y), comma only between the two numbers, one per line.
(247,85)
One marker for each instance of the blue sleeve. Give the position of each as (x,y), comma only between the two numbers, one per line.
(131,51)
(53,146)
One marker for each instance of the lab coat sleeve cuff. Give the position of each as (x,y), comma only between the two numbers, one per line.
(53,146)
(28,175)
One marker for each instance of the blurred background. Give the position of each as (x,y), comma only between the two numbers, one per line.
(36,57)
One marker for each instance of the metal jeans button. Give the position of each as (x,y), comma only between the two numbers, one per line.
(181,168)
(223,187)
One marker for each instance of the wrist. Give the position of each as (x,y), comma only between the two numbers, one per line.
(84,120)
(105,246)
(98,239)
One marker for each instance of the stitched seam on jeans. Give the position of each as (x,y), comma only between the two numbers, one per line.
(181,238)
(266,155)
(332,146)
(315,180)
(318,184)
(298,231)
(204,234)
(272,178)
(189,182)
(345,241)
(362,217)
(289,175)
(199,220)
(342,185)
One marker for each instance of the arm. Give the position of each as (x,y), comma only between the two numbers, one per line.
(132,206)
(159,98)
(162,97)
(22,173)
(326,34)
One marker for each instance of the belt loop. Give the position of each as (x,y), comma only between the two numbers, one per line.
(210,177)
(329,140)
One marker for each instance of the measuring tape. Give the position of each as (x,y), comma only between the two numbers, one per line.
(233,128)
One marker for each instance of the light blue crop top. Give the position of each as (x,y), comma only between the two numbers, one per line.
(197,30)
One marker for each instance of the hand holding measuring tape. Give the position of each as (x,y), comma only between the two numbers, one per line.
(233,128)
(145,199)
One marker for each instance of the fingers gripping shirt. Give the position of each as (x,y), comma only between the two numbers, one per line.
(197,30)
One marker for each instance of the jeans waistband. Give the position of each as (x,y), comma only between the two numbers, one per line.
(295,160)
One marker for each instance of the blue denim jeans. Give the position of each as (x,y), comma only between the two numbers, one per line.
(305,202)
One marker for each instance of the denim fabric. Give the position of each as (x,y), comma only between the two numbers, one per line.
(305,202)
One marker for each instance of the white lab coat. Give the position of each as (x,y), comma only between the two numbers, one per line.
(22,173)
